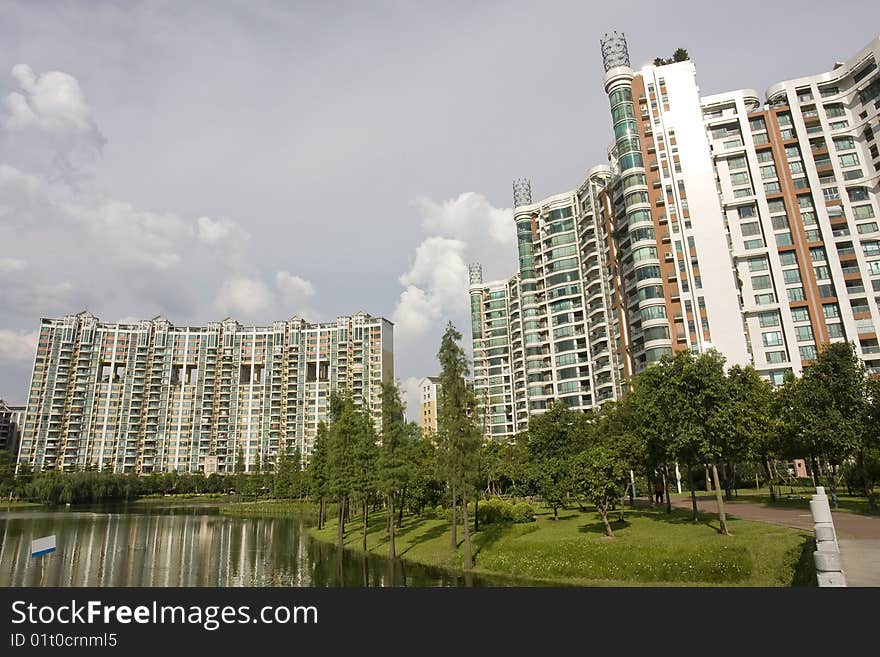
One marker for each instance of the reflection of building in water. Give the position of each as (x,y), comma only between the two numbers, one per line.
(153,397)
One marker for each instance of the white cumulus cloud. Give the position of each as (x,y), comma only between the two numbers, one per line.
(468,217)
(211,231)
(244,298)
(17,345)
(52,101)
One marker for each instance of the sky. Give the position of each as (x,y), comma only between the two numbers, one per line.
(261,160)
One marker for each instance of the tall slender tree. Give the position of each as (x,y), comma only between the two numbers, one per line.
(458,433)
(392,456)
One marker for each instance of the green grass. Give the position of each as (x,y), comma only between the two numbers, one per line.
(273,508)
(649,548)
(17,504)
(790,498)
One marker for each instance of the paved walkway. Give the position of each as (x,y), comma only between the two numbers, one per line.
(858,535)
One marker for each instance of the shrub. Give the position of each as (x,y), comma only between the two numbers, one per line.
(523,512)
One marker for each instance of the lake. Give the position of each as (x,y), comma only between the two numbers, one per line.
(192,546)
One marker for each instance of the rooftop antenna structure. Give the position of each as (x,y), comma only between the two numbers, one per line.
(614,50)
(475,273)
(522,192)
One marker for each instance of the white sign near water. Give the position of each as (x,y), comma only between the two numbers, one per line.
(40,546)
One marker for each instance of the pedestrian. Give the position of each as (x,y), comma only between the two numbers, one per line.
(658,490)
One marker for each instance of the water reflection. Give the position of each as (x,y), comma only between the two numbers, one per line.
(191,547)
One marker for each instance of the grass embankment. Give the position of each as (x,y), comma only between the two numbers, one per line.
(17,504)
(650,548)
(268,508)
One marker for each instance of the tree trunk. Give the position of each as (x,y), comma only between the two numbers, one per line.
(400,510)
(770,481)
(831,477)
(468,560)
(556,513)
(340,526)
(708,478)
(722,517)
(321,513)
(453,539)
(366,522)
(476,513)
(603,513)
(728,495)
(392,549)
(867,488)
(814,466)
(696,515)
(664,473)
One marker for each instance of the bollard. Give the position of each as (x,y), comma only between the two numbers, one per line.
(829,567)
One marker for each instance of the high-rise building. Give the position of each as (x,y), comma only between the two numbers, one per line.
(721,223)
(11,423)
(429,396)
(154,397)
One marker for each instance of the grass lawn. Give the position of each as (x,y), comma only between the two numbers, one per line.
(792,498)
(6,505)
(268,508)
(650,548)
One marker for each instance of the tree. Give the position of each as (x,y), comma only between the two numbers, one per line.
(679,55)
(7,473)
(238,467)
(823,412)
(458,434)
(601,474)
(392,455)
(868,454)
(317,471)
(342,435)
(288,474)
(365,455)
(551,441)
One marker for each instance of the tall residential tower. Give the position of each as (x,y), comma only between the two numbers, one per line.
(720,222)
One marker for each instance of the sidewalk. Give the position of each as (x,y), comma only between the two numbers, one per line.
(858,535)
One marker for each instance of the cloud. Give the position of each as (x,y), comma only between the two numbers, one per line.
(294,287)
(245,298)
(52,102)
(412,396)
(211,231)
(436,286)
(17,345)
(248,298)
(469,217)
(9,265)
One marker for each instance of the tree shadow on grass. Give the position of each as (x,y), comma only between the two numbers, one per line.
(431,534)
(598,527)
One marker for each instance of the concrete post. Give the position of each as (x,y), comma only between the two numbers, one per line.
(829,567)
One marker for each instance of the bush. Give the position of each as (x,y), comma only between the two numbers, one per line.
(523,512)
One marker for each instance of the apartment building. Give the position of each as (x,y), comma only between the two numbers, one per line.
(720,222)
(154,397)
(429,396)
(11,422)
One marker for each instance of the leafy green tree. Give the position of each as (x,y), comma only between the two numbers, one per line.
(7,473)
(823,412)
(238,468)
(600,474)
(458,434)
(551,440)
(744,427)
(868,453)
(288,473)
